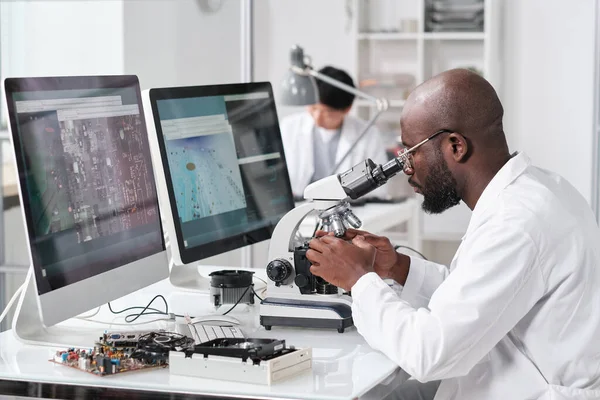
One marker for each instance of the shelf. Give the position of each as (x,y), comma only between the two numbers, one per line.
(427,36)
(392,103)
(454,36)
(388,36)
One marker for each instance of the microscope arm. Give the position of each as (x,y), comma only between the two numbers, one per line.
(282,240)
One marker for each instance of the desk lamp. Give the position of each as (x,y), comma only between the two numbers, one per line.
(298,88)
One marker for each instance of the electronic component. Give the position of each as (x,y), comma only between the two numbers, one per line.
(202,333)
(253,349)
(121,339)
(154,347)
(231,287)
(110,355)
(103,360)
(261,361)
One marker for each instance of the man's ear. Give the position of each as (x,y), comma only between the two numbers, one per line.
(460,147)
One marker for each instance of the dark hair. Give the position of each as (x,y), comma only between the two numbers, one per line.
(330,95)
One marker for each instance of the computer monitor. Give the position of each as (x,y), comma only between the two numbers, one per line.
(221,171)
(88,195)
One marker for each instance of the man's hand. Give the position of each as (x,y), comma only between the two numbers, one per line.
(339,262)
(388,262)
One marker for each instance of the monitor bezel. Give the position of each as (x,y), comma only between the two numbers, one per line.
(145,271)
(196,253)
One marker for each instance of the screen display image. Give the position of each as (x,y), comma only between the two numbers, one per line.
(226,166)
(204,167)
(88,183)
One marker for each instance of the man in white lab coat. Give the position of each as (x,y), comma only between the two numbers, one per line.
(315,141)
(517,313)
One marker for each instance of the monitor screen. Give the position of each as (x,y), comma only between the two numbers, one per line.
(85,173)
(224,165)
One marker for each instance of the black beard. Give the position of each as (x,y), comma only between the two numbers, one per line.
(439,189)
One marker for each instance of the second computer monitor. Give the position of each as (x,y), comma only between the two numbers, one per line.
(221,165)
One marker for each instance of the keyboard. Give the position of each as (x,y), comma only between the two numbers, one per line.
(203,333)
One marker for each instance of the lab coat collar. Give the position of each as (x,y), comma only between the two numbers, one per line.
(504,177)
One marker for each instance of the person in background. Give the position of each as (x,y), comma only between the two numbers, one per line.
(316,140)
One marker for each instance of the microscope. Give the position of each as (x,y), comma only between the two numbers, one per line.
(296,297)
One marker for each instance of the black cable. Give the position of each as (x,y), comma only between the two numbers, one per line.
(318,226)
(135,316)
(238,302)
(410,248)
(256,294)
(147,307)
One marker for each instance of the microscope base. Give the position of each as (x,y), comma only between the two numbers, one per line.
(305,314)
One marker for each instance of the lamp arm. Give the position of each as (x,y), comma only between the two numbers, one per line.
(362,134)
(382,104)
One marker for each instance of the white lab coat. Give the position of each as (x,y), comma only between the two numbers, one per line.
(517,316)
(297,134)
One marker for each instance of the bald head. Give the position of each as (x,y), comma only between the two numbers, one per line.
(460,161)
(458,100)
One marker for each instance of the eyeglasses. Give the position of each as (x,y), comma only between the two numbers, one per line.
(407,154)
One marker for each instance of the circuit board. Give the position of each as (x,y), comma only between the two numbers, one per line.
(105,362)
(149,350)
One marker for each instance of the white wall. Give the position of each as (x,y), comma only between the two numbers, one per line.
(62,37)
(320,27)
(175,43)
(548,84)
(45,38)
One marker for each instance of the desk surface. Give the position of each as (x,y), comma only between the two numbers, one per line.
(344,366)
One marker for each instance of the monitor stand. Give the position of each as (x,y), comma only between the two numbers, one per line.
(192,290)
(29,328)
(188,278)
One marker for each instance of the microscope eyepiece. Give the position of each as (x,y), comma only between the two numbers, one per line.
(367,176)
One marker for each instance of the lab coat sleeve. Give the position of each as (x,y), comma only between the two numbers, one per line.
(424,277)
(495,282)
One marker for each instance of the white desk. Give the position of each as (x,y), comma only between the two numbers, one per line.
(344,366)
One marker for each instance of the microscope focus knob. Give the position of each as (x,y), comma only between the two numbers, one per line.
(279,270)
(301,281)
